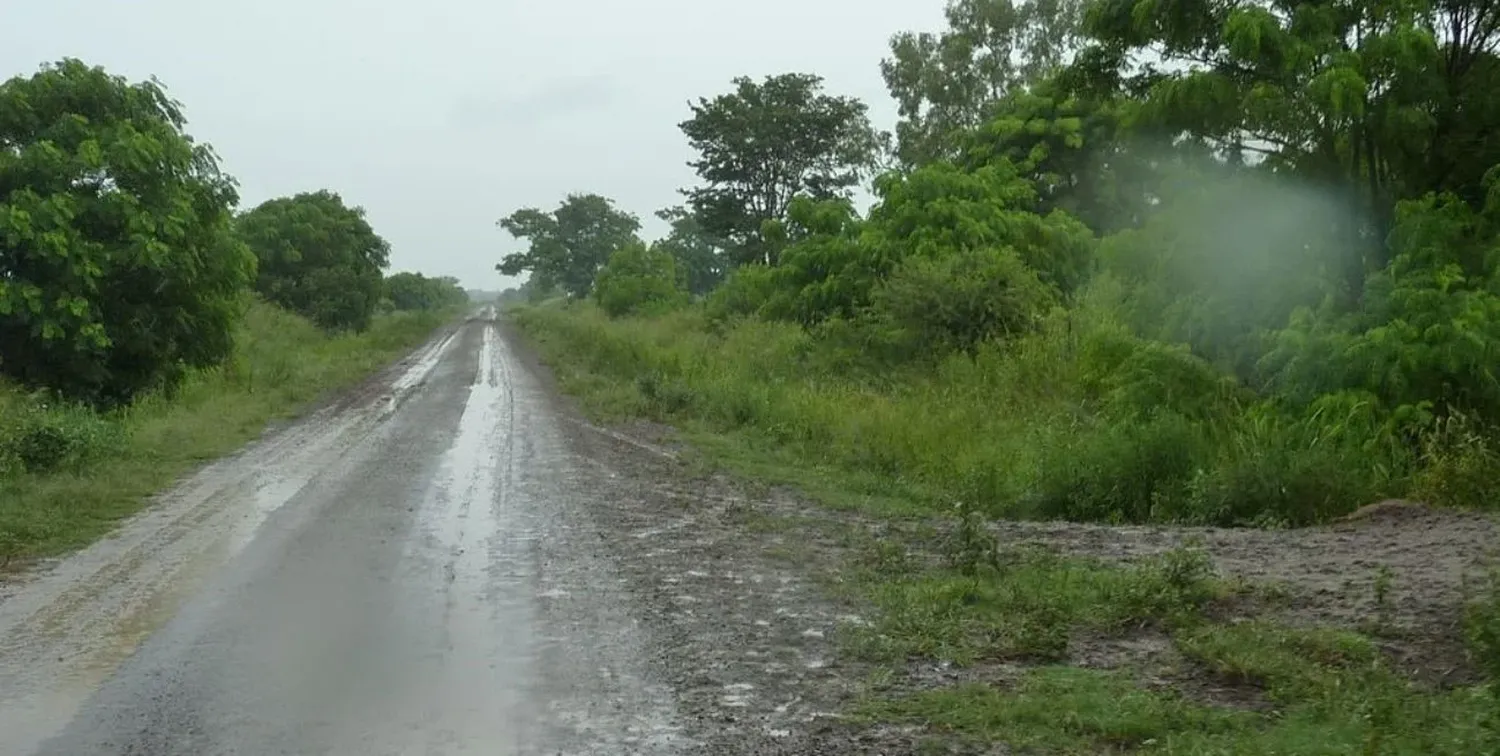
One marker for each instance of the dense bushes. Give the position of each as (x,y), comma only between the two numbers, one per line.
(414,291)
(639,279)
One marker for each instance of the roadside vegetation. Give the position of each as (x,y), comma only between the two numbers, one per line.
(1256,287)
(146,325)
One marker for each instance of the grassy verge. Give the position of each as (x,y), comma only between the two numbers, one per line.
(67,474)
(1042,652)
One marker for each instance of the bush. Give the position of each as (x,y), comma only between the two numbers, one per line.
(37,436)
(639,279)
(959,301)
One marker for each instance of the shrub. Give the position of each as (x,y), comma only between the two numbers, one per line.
(639,279)
(957,302)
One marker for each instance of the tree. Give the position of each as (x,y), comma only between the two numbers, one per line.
(1377,101)
(317,257)
(765,143)
(569,245)
(699,261)
(945,83)
(639,279)
(117,263)
(414,291)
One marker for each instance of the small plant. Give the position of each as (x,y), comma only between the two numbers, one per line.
(1383,609)
(972,548)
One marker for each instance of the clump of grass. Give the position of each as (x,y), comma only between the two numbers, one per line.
(1028,607)
(67,474)
(1061,710)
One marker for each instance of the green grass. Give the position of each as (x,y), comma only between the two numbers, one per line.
(1330,692)
(1080,421)
(1027,609)
(1053,427)
(100,469)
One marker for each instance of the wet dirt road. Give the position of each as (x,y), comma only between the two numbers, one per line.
(413,570)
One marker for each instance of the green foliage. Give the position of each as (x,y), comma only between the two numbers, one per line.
(945,84)
(118,270)
(39,436)
(569,245)
(639,280)
(414,291)
(700,261)
(960,301)
(765,143)
(318,258)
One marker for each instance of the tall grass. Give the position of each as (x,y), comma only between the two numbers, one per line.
(68,474)
(1080,421)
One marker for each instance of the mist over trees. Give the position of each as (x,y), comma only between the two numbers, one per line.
(1256,246)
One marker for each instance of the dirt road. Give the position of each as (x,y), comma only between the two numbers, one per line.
(447,561)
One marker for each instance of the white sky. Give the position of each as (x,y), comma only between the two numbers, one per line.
(442,116)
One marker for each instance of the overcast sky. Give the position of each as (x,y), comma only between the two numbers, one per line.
(442,116)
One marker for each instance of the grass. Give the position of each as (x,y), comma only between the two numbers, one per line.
(1027,609)
(1329,691)
(88,471)
(1053,427)
(1081,421)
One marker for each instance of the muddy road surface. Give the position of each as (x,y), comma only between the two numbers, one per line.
(447,560)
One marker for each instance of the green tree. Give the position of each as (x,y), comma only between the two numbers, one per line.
(835,261)
(118,267)
(414,291)
(568,246)
(1381,101)
(765,143)
(945,83)
(700,262)
(318,257)
(639,279)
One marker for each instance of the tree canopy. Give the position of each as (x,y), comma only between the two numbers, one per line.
(567,247)
(118,268)
(318,257)
(763,144)
(414,291)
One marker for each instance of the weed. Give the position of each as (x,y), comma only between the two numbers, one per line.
(1383,609)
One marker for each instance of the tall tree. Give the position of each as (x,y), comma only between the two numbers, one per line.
(700,262)
(117,262)
(569,245)
(945,83)
(318,257)
(765,143)
(1380,101)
